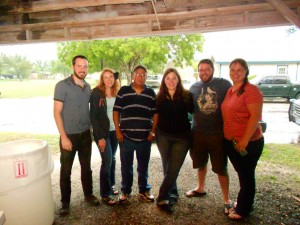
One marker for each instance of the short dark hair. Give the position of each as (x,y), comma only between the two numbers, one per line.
(80,57)
(140,67)
(206,61)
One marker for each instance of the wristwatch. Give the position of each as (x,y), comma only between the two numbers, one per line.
(152,134)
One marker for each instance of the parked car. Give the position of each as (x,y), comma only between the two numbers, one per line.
(279,86)
(294,111)
(153,80)
(262,123)
(263,126)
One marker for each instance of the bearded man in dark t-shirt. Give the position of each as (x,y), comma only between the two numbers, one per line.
(207,130)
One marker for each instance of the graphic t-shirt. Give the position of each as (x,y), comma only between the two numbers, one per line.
(208,97)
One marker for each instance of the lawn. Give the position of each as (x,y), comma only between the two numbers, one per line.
(29,88)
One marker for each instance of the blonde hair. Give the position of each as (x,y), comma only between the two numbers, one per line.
(101,86)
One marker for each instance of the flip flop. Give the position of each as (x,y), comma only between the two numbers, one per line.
(193,193)
(235,216)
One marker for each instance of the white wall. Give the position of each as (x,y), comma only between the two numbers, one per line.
(261,70)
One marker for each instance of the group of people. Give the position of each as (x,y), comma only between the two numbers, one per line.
(225,124)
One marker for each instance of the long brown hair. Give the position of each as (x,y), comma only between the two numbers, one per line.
(101,86)
(163,93)
(244,64)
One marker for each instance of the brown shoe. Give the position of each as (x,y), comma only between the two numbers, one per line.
(92,200)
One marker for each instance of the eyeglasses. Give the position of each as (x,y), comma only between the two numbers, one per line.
(205,70)
(140,74)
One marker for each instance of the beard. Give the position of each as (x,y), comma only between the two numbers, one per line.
(79,75)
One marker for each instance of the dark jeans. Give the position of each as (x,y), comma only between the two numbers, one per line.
(143,151)
(173,152)
(245,168)
(82,143)
(108,165)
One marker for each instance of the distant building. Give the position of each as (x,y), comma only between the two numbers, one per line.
(264,67)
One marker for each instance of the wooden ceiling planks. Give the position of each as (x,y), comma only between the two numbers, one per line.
(30,21)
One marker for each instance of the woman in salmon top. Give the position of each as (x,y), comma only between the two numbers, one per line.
(244,141)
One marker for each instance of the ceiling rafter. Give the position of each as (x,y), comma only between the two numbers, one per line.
(43,6)
(58,20)
(285,11)
(143,18)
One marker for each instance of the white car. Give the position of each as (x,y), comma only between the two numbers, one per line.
(153,80)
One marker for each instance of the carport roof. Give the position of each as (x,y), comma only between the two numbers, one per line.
(29,21)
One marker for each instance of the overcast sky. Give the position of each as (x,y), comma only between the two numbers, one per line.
(252,44)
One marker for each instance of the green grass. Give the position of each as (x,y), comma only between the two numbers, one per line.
(52,140)
(282,154)
(29,88)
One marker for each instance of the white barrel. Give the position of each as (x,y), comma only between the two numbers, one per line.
(26,189)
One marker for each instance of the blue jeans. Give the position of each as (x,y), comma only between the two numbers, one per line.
(173,151)
(245,168)
(82,143)
(143,151)
(108,165)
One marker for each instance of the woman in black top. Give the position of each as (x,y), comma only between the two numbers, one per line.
(173,134)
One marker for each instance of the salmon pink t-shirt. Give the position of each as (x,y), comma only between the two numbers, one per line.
(236,115)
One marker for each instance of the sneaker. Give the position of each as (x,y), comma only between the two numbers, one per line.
(92,200)
(64,210)
(147,196)
(123,197)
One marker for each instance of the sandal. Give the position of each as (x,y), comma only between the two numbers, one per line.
(228,208)
(114,190)
(235,205)
(109,201)
(234,216)
(193,193)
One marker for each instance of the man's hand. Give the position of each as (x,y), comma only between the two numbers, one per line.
(66,143)
(119,135)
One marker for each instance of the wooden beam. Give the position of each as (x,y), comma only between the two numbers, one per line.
(285,11)
(49,5)
(141,18)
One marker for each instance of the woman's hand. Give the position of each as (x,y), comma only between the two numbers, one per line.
(241,145)
(102,144)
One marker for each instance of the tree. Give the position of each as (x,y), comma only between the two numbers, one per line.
(42,68)
(124,54)
(57,66)
(16,65)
